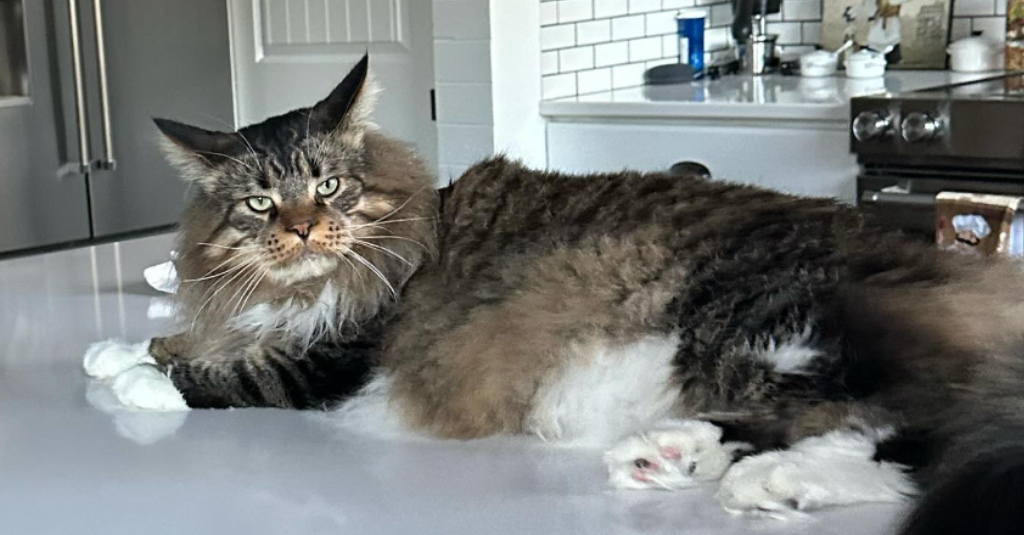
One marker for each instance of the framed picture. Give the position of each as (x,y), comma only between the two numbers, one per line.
(913,34)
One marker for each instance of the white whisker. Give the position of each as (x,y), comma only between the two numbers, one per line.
(373,269)
(219,246)
(391,237)
(383,250)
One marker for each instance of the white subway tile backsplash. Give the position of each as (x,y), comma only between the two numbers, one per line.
(789,32)
(670,46)
(658,62)
(645,49)
(594,81)
(610,8)
(644,6)
(721,15)
(575,10)
(812,32)
(548,13)
(991,27)
(961,29)
(598,31)
(628,75)
(717,38)
(591,45)
(559,36)
(803,10)
(559,85)
(575,59)
(611,54)
(624,28)
(974,7)
(660,23)
(548,63)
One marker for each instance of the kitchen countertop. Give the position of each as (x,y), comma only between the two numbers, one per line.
(737,97)
(70,463)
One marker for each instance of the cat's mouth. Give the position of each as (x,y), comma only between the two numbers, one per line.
(306,264)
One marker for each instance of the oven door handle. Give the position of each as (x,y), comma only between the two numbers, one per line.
(910,200)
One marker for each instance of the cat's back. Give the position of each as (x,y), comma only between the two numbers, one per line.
(501,205)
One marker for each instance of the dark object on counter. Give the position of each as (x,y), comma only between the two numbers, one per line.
(716,71)
(790,67)
(693,169)
(675,73)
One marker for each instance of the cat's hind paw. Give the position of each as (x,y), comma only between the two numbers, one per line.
(110,358)
(833,469)
(676,455)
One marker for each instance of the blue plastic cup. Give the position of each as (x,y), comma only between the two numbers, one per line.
(690,27)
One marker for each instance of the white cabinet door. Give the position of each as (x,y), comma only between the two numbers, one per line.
(806,159)
(291,53)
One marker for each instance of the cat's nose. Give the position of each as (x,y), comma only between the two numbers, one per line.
(302,229)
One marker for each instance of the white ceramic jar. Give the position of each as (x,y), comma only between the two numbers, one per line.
(975,54)
(865,64)
(819,63)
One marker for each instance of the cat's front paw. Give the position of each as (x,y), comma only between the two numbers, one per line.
(146,388)
(110,358)
(677,454)
(131,372)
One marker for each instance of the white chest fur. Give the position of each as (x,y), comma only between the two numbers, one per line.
(303,321)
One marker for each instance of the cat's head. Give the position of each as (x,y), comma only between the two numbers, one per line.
(315,195)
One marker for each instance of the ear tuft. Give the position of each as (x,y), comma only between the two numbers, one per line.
(351,102)
(195,151)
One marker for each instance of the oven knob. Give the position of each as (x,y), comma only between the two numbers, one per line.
(921,127)
(871,125)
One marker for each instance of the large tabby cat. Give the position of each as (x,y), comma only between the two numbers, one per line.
(776,343)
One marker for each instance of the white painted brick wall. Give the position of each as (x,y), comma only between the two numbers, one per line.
(594,45)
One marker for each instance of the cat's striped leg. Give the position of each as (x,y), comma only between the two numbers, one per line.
(274,375)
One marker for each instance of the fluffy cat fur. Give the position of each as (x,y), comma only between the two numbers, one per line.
(778,317)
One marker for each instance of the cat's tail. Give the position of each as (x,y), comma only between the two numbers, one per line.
(978,486)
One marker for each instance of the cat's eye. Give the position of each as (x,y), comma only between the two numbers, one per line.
(259,204)
(327,187)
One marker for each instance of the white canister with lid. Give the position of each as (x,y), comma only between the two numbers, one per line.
(975,54)
(818,64)
(865,64)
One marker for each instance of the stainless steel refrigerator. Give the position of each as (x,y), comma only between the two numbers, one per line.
(79,83)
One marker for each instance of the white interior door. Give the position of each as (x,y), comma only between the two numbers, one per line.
(291,53)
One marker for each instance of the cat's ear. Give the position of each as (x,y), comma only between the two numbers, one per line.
(350,103)
(196,151)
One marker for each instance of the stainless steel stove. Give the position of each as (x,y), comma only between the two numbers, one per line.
(911,146)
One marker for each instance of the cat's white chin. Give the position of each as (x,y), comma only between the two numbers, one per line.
(310,266)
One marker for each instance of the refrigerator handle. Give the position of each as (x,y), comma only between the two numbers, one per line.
(84,163)
(107,162)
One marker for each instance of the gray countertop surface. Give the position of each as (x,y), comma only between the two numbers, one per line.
(738,97)
(70,463)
